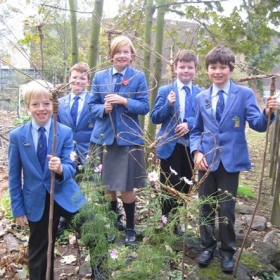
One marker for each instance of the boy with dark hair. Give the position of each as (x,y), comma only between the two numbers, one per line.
(218,144)
(174,109)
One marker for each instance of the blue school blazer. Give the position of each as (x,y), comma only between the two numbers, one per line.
(123,123)
(169,117)
(227,142)
(28,184)
(82,131)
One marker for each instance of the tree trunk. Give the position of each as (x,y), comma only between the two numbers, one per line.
(275,217)
(94,34)
(148,39)
(158,62)
(74,40)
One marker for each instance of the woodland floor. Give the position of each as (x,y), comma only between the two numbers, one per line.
(252,178)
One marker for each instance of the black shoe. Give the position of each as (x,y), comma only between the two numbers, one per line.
(63,225)
(120,225)
(205,258)
(227,264)
(179,230)
(130,237)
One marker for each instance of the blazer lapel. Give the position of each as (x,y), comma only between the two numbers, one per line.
(206,102)
(230,101)
(84,110)
(66,107)
(127,79)
(29,147)
(177,102)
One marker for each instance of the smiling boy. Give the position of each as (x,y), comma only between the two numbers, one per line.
(218,144)
(174,109)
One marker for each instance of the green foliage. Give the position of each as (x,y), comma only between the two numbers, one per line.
(21,120)
(5,204)
(269,276)
(245,191)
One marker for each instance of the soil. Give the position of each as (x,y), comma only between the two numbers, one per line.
(10,262)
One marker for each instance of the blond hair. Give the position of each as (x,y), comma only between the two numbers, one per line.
(118,43)
(36,89)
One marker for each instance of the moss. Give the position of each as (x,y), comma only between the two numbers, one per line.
(213,272)
(251,260)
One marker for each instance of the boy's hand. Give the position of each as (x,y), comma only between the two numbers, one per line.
(271,105)
(108,107)
(55,164)
(171,98)
(22,221)
(181,129)
(115,99)
(200,162)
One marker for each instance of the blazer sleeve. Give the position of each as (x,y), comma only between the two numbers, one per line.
(139,105)
(15,175)
(162,110)
(96,102)
(69,165)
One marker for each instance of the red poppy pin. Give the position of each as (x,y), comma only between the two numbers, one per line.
(125,82)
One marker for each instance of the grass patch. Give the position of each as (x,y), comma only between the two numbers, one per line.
(245,191)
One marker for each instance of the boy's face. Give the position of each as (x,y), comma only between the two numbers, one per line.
(185,71)
(79,82)
(122,58)
(40,109)
(219,74)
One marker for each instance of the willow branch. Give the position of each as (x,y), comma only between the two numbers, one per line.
(50,228)
(272,92)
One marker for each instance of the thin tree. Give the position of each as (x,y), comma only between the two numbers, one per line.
(74,41)
(94,34)
(158,60)
(150,10)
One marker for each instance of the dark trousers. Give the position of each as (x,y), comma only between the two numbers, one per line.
(38,241)
(218,192)
(180,161)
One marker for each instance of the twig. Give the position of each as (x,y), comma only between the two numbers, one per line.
(272,91)
(50,228)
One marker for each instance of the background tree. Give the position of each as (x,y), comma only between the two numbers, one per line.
(74,41)
(95,33)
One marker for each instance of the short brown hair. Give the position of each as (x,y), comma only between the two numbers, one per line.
(119,42)
(186,56)
(220,54)
(81,67)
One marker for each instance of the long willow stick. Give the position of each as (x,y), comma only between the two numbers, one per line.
(50,228)
(272,92)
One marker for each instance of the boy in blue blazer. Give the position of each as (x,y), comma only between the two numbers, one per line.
(219,147)
(30,176)
(174,109)
(83,124)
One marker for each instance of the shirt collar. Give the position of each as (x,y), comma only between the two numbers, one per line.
(215,89)
(181,85)
(47,126)
(81,95)
(122,72)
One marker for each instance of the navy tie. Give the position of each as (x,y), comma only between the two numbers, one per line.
(220,105)
(42,147)
(74,109)
(188,102)
(118,82)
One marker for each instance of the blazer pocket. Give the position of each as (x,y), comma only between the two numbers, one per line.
(236,121)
